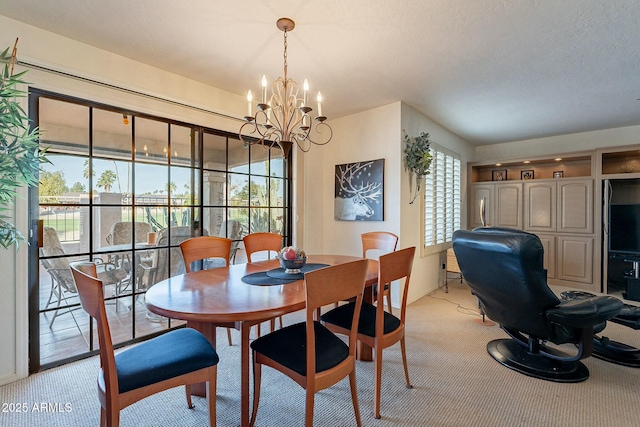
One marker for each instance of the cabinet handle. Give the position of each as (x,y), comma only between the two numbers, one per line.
(483,219)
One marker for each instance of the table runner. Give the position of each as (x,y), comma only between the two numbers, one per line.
(277,276)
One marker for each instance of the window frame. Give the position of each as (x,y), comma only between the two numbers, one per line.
(453,202)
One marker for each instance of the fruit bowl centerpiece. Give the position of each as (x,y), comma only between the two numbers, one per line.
(292,259)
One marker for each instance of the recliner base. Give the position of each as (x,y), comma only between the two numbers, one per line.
(515,356)
(616,352)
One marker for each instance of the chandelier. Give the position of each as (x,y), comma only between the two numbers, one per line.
(284,118)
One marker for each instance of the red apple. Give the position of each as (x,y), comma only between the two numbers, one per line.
(289,254)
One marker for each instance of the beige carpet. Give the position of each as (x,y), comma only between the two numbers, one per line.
(456,383)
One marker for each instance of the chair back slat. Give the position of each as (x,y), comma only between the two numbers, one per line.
(319,283)
(203,247)
(378,240)
(256,242)
(396,265)
(326,286)
(393,267)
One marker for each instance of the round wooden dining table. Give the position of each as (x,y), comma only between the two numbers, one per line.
(218,297)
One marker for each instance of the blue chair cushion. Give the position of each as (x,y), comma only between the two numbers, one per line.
(288,347)
(342,315)
(169,355)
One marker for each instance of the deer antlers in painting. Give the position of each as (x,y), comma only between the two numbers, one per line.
(356,192)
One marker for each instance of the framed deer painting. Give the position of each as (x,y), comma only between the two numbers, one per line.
(359,191)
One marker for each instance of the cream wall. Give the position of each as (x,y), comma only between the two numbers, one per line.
(369,135)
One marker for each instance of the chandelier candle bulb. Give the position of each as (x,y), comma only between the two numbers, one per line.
(319,104)
(264,88)
(305,87)
(249,99)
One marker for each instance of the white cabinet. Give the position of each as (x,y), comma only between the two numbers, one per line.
(561,214)
(564,206)
(558,205)
(496,205)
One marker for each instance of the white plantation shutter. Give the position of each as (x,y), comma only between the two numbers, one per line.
(442,197)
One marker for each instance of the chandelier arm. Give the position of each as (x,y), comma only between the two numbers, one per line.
(301,147)
(315,128)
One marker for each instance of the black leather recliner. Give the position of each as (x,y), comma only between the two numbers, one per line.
(504,269)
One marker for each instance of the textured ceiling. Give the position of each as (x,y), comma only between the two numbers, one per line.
(488,70)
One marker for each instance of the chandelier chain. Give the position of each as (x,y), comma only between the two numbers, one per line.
(285,55)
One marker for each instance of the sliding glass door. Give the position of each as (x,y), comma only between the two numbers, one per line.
(123,189)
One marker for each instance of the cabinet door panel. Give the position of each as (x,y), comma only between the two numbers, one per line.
(481,193)
(508,207)
(575,258)
(575,213)
(540,206)
(549,244)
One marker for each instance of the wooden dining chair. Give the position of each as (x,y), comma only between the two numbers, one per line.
(204,247)
(308,352)
(263,242)
(378,328)
(381,242)
(178,357)
(259,242)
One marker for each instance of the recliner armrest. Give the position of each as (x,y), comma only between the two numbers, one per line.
(585,313)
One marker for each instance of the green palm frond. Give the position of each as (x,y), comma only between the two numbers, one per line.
(20,151)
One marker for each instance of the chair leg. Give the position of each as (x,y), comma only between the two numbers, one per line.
(257,377)
(103,417)
(308,418)
(229,336)
(187,389)
(60,294)
(354,397)
(51,292)
(377,383)
(403,349)
(212,390)
(280,317)
(112,417)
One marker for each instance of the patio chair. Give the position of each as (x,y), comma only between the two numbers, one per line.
(121,233)
(232,229)
(55,261)
(166,260)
